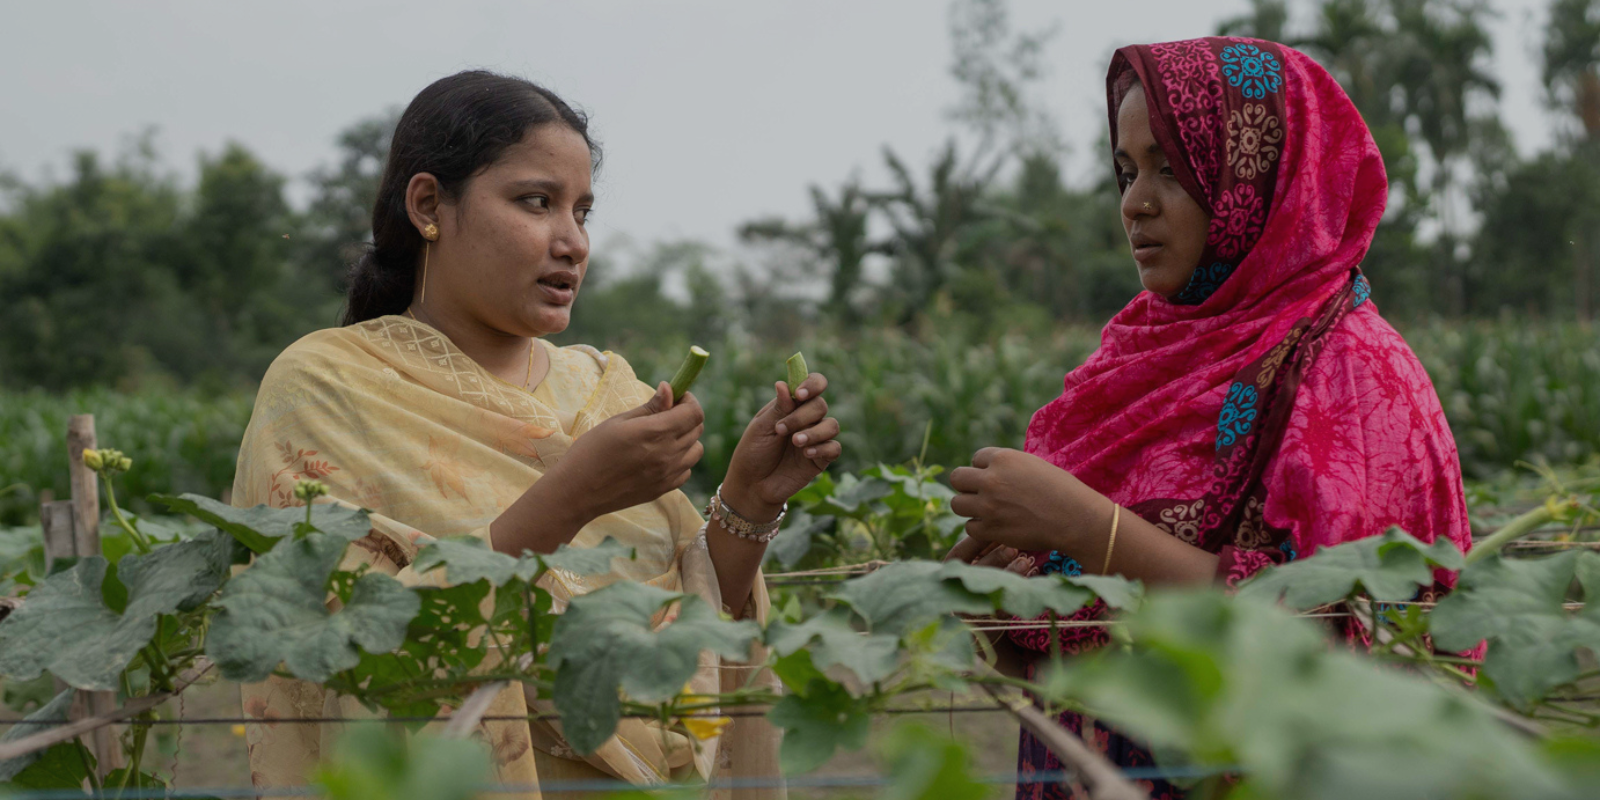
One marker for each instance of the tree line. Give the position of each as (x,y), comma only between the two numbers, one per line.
(121,275)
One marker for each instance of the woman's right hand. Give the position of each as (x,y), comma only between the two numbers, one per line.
(628,460)
(634,457)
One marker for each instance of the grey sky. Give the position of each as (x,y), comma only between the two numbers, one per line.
(711,112)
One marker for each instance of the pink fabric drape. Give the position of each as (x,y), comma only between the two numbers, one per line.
(1267,410)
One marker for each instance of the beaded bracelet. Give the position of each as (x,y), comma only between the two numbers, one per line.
(737,524)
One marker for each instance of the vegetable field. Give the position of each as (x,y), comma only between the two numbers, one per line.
(1513,391)
(1246,694)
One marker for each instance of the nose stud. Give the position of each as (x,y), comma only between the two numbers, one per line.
(1148,208)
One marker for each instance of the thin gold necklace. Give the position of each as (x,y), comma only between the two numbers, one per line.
(527,380)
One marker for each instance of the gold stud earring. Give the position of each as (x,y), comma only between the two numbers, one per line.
(431,232)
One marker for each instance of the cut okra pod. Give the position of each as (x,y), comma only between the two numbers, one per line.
(797,373)
(688,372)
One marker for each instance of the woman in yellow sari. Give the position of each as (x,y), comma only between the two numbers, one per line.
(440,408)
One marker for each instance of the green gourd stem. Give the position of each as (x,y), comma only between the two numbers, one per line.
(690,370)
(797,372)
(1515,529)
(116,511)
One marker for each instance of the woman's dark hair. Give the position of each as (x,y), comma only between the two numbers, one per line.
(453,129)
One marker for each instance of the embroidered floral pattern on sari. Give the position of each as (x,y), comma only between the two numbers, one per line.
(1237,221)
(1193,87)
(1203,283)
(1363,291)
(1251,70)
(1058,564)
(298,466)
(1238,414)
(1253,139)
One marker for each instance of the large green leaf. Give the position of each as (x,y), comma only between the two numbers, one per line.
(907,595)
(179,576)
(56,709)
(607,640)
(87,622)
(816,722)
(1390,567)
(910,594)
(276,611)
(870,656)
(67,628)
(439,642)
(260,528)
(1023,597)
(468,558)
(1235,682)
(1517,605)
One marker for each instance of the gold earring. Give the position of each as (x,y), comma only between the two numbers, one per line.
(425,247)
(431,232)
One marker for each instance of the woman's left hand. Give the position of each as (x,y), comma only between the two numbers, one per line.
(1024,502)
(784,447)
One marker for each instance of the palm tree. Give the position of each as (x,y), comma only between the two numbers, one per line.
(1572,60)
(835,238)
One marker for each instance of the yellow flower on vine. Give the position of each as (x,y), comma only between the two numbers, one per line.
(700,727)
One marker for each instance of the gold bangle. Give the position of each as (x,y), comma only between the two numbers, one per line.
(1111,542)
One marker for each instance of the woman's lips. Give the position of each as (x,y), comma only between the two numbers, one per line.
(1147,252)
(558,295)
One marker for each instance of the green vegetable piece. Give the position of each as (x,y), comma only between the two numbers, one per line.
(689,370)
(797,372)
(276,611)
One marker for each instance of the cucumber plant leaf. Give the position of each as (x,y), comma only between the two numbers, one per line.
(1389,568)
(262,527)
(871,657)
(614,638)
(1518,606)
(276,612)
(86,623)
(816,722)
(468,558)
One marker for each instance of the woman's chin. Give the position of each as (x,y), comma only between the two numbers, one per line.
(1163,280)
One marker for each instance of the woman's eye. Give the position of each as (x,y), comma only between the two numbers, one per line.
(538,200)
(583,215)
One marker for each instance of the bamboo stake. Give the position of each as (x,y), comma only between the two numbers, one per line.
(86,542)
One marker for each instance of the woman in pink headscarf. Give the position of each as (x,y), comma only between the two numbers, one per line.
(1251,406)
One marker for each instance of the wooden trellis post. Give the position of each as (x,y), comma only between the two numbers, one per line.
(72,528)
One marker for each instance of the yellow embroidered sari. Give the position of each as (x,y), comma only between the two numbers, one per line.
(395,419)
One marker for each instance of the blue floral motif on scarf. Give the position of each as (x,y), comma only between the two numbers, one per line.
(1363,290)
(1252,70)
(1060,564)
(1203,283)
(1288,549)
(1238,414)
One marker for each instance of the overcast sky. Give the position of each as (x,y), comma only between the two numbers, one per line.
(711,113)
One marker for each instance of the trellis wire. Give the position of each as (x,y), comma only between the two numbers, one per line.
(797,782)
(485,718)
